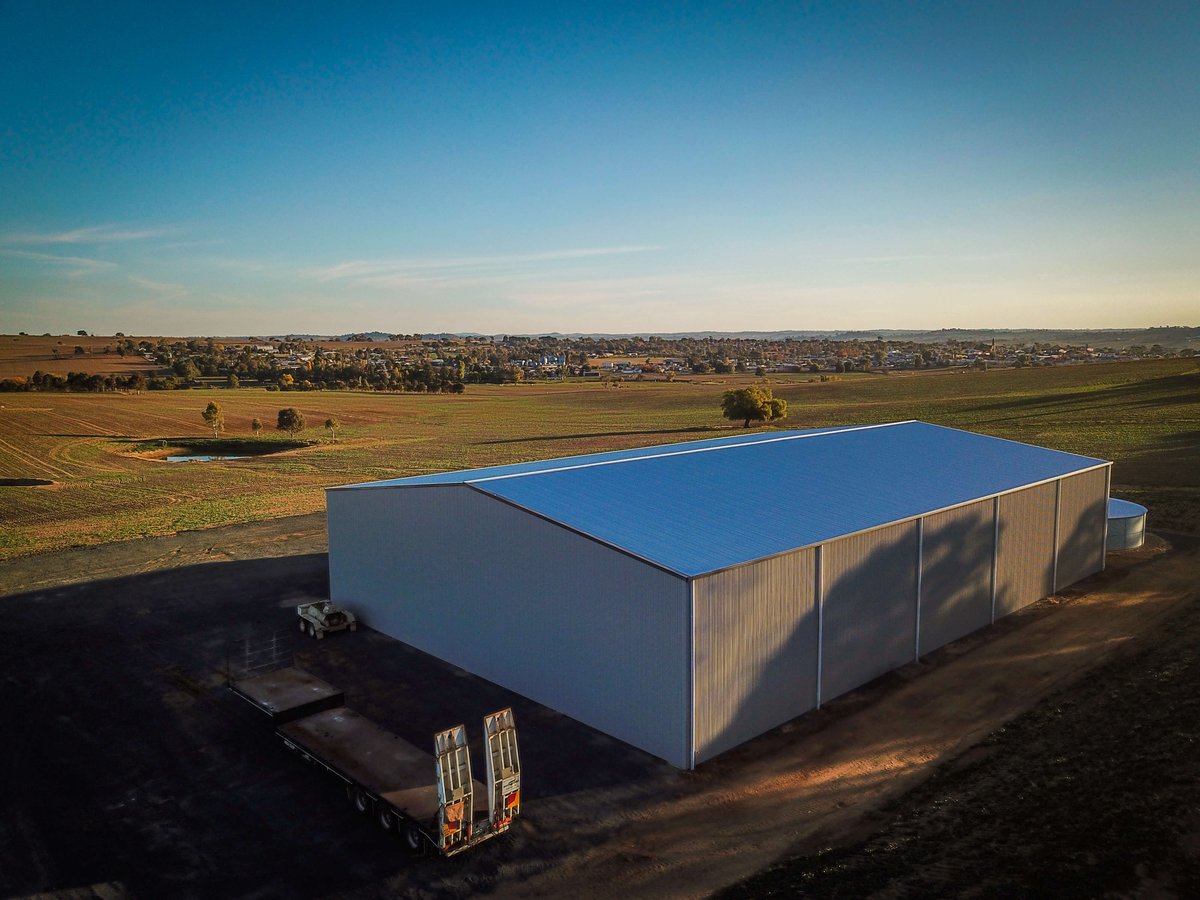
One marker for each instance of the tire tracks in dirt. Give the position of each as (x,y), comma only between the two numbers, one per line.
(43,465)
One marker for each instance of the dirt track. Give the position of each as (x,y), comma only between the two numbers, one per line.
(136,769)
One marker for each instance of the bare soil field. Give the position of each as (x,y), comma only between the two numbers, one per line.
(22,355)
(138,770)
(74,468)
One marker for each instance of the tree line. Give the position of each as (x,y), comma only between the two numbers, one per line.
(290,420)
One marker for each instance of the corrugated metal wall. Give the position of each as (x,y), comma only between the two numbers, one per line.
(605,638)
(956,573)
(756,649)
(869,604)
(564,620)
(1081,518)
(1025,557)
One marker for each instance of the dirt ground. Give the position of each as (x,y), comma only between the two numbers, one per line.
(1095,791)
(127,764)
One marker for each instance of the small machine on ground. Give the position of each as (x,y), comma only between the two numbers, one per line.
(319,618)
(428,800)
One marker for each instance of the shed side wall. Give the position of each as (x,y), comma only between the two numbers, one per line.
(868,606)
(566,621)
(1025,557)
(756,649)
(956,573)
(1081,522)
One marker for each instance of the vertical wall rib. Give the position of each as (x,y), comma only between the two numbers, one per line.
(1083,515)
(1025,555)
(956,573)
(868,606)
(755,650)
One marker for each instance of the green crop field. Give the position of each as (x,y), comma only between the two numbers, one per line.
(98,453)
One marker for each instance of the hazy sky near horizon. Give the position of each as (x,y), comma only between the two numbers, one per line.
(221,168)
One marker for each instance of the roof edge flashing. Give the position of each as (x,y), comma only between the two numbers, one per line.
(668,453)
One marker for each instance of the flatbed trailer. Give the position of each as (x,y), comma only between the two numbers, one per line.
(428,799)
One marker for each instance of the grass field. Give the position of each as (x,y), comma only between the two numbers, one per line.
(92,447)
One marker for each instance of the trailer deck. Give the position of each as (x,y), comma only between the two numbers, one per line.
(386,765)
(288,694)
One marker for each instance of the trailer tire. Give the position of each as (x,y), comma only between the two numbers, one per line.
(413,839)
(386,820)
(303,626)
(362,802)
(312,632)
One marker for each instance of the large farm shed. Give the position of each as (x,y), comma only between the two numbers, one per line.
(686,598)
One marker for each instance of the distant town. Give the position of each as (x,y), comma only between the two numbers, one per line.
(449,363)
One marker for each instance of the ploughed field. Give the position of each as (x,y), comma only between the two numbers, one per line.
(83,469)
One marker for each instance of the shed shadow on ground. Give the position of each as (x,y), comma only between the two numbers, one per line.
(138,766)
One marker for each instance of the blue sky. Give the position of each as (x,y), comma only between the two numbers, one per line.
(220,168)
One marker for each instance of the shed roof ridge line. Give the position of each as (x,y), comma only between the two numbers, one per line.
(613,462)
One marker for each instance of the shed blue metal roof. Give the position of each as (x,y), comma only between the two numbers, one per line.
(702,506)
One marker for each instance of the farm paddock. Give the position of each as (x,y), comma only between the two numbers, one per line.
(138,769)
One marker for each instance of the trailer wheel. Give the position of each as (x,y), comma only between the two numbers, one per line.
(303,626)
(385,818)
(414,840)
(362,802)
(312,632)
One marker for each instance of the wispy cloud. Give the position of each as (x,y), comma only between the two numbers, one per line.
(79,265)
(187,245)
(913,257)
(393,272)
(96,234)
(878,259)
(162,288)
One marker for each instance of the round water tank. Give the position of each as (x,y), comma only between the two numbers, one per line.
(1126,525)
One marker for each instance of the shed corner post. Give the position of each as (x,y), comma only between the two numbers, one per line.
(1057,517)
(920,569)
(995,552)
(1104,538)
(819,593)
(690,727)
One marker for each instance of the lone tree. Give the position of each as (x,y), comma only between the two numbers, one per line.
(331,425)
(215,417)
(290,420)
(232,381)
(752,404)
(256,426)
